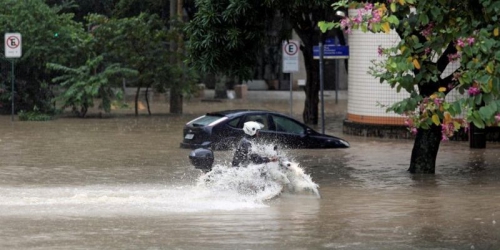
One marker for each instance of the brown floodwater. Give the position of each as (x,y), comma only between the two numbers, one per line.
(122,182)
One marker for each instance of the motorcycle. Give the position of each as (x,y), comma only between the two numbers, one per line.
(266,181)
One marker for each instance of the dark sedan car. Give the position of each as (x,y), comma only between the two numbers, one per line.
(223,130)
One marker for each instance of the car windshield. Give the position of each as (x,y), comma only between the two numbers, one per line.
(206,120)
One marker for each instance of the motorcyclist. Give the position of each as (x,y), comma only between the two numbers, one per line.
(244,154)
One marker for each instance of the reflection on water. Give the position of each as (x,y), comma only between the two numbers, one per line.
(124,183)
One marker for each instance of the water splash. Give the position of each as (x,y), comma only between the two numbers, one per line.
(259,182)
(250,183)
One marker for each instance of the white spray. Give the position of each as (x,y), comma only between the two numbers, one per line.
(260,182)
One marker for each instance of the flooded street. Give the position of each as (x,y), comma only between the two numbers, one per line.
(122,182)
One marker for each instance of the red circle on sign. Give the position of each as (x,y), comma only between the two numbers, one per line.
(15,43)
(291,53)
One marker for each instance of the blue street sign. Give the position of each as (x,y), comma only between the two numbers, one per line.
(332,51)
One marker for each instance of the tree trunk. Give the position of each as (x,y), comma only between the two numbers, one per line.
(310,113)
(136,100)
(175,101)
(175,92)
(425,150)
(83,111)
(220,87)
(477,136)
(147,100)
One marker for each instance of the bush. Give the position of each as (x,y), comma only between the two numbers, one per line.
(34,115)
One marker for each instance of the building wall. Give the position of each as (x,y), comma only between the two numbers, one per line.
(366,93)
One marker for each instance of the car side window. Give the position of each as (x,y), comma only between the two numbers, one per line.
(234,122)
(262,119)
(284,124)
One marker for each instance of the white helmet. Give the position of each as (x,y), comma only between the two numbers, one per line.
(250,128)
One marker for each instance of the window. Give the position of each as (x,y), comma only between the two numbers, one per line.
(234,122)
(286,125)
(262,119)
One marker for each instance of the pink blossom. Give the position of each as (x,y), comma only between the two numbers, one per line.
(346,25)
(376,16)
(427,51)
(454,57)
(423,104)
(461,42)
(368,6)
(473,91)
(409,122)
(471,40)
(438,101)
(380,51)
(427,31)
(413,131)
(359,18)
(497,117)
(411,126)
(447,131)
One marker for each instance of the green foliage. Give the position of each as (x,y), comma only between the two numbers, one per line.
(131,8)
(51,37)
(81,8)
(34,115)
(82,85)
(141,43)
(224,36)
(37,24)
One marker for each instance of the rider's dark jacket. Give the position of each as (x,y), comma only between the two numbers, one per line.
(244,155)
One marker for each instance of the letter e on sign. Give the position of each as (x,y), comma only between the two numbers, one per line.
(290,56)
(12,43)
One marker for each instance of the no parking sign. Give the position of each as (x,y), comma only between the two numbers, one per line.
(13,45)
(290,56)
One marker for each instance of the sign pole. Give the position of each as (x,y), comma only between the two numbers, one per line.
(321,85)
(329,50)
(291,94)
(13,80)
(337,79)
